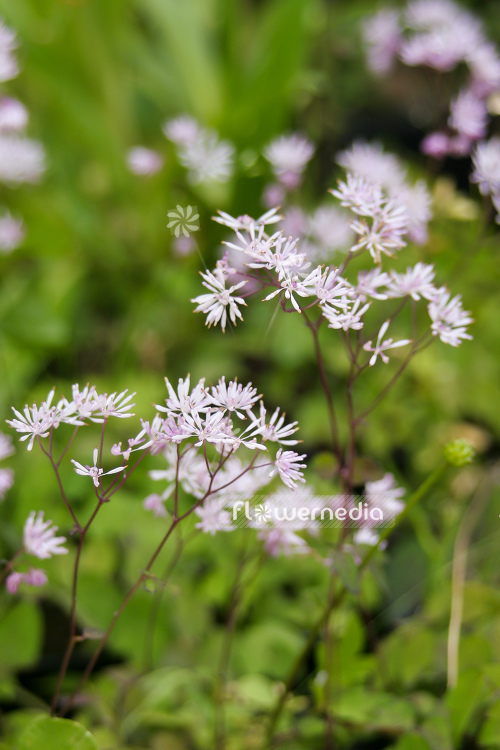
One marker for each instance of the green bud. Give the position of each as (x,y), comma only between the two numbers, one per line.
(459,452)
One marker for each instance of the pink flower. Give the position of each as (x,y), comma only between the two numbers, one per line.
(288,465)
(144,161)
(39,537)
(156,503)
(382,346)
(13,582)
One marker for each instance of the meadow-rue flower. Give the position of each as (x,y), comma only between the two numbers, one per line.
(94,471)
(39,537)
(144,161)
(218,302)
(21,159)
(156,503)
(415,283)
(12,233)
(8,43)
(486,162)
(381,346)
(449,319)
(213,517)
(13,115)
(288,156)
(382,35)
(288,464)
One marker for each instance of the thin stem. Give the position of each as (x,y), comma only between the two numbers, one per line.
(225,655)
(73,436)
(61,488)
(145,574)
(72,637)
(383,393)
(459,569)
(334,600)
(313,327)
(116,617)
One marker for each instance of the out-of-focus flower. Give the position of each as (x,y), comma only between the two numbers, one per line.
(436,144)
(13,115)
(156,503)
(13,582)
(288,156)
(39,537)
(144,161)
(6,481)
(34,577)
(208,159)
(468,115)
(486,161)
(12,233)
(8,43)
(281,541)
(218,302)
(370,164)
(382,36)
(21,159)
(213,517)
(416,282)
(182,130)
(449,319)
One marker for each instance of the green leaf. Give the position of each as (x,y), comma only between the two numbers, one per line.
(20,635)
(46,733)
(411,742)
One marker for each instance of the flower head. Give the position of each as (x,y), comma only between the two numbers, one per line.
(39,537)
(94,471)
(382,346)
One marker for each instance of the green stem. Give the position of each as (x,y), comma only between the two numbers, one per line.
(335,599)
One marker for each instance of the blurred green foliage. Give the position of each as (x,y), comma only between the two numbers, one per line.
(96,293)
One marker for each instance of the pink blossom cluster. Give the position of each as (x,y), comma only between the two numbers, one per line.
(22,159)
(207,157)
(39,540)
(6,475)
(37,422)
(279,265)
(439,34)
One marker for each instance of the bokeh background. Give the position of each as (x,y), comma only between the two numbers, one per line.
(96,293)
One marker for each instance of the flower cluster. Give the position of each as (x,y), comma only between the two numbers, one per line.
(39,540)
(225,417)
(439,34)
(6,475)
(22,160)
(37,422)
(383,216)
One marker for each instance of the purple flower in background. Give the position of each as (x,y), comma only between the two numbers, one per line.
(382,36)
(13,115)
(39,537)
(486,162)
(468,115)
(21,159)
(288,156)
(12,233)
(144,161)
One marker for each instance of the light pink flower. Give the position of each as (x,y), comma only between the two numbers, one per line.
(94,471)
(381,346)
(39,537)
(144,161)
